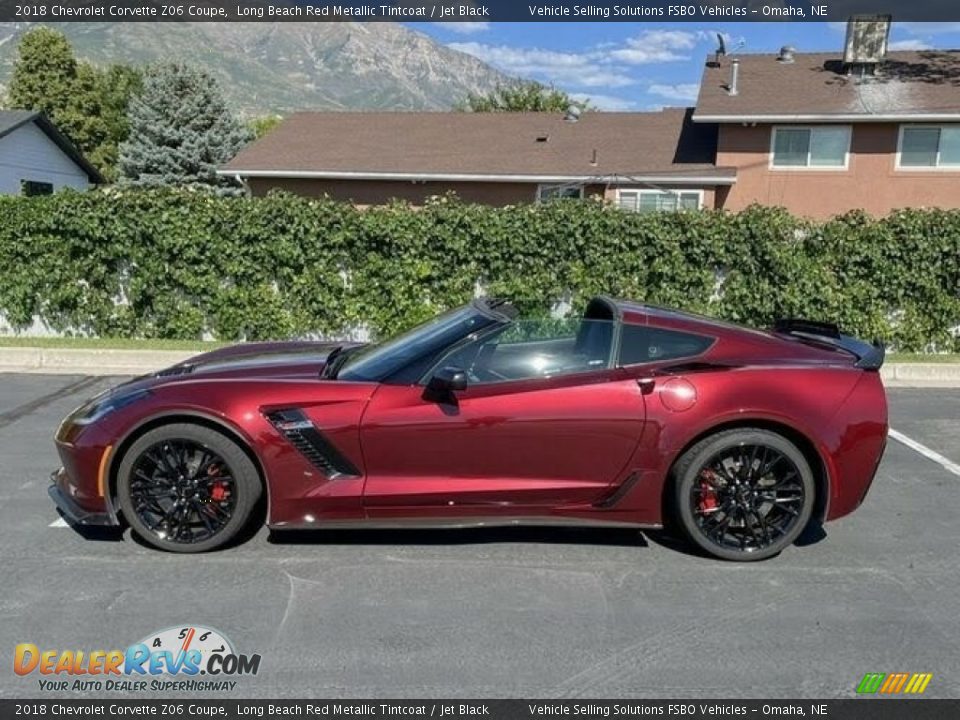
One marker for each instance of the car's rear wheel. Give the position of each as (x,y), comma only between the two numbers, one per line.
(743,494)
(187,488)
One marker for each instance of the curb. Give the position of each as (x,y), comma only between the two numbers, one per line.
(942,375)
(60,361)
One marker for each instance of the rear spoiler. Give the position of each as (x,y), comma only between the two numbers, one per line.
(870,356)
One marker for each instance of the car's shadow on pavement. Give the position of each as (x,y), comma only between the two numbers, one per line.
(613,537)
(461,536)
(99,534)
(811,535)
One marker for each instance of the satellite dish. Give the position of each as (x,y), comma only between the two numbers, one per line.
(573,113)
(721,45)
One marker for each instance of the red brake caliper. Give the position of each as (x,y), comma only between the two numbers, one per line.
(708,494)
(219,491)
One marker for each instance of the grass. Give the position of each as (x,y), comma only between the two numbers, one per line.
(916,358)
(82,343)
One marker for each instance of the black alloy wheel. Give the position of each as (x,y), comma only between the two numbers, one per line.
(187,488)
(744,494)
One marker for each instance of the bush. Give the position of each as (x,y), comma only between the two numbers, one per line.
(180,264)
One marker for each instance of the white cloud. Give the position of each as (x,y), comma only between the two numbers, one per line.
(587,69)
(608,65)
(928,28)
(685,92)
(603,65)
(611,103)
(657,46)
(911,44)
(464,28)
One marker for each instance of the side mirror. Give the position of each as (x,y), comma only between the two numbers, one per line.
(447,380)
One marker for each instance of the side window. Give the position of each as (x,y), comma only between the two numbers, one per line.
(642,344)
(535,349)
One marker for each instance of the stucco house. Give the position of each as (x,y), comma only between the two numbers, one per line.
(818,133)
(821,136)
(37,159)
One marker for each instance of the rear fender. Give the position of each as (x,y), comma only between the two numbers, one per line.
(801,401)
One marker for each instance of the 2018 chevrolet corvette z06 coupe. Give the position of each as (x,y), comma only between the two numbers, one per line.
(629,416)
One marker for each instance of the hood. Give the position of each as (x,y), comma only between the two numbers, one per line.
(299,358)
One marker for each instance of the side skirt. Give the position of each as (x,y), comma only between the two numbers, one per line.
(464,522)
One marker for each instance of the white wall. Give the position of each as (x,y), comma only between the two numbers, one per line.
(28,154)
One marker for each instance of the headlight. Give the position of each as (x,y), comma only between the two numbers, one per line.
(101,406)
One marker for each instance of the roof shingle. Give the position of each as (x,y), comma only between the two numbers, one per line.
(925,82)
(432,144)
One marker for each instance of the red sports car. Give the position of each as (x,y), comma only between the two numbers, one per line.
(631,416)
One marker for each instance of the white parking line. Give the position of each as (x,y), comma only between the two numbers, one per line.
(946,463)
(59,522)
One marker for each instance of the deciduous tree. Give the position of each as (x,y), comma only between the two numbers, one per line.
(86,103)
(523,96)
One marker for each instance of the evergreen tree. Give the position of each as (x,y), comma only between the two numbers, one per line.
(523,96)
(181,131)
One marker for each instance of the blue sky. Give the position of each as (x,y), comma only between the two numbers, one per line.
(645,66)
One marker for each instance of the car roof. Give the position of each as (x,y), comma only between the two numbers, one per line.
(636,312)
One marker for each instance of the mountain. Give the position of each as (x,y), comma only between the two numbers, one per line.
(283,66)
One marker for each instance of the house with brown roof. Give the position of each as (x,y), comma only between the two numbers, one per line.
(818,133)
(659,159)
(821,136)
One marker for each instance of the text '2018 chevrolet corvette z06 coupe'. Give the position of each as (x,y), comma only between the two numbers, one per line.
(629,416)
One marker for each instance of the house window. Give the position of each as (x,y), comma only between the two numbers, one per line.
(659,200)
(810,147)
(546,193)
(926,146)
(32,188)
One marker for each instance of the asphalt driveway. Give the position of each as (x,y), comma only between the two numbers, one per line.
(490,613)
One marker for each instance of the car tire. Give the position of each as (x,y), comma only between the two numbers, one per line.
(168,473)
(743,494)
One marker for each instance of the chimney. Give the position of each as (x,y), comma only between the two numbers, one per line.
(786,55)
(866,44)
(733,87)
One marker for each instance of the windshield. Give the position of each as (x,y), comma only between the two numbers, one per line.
(403,358)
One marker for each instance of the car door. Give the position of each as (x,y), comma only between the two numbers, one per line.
(520,435)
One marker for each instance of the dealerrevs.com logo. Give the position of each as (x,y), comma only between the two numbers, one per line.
(169,660)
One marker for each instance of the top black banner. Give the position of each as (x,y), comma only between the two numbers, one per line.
(470,10)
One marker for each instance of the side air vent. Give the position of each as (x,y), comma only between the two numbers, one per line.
(300,431)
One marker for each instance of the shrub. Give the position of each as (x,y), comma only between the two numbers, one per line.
(181,264)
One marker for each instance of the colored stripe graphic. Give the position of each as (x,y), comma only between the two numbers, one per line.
(870,683)
(918,683)
(894,683)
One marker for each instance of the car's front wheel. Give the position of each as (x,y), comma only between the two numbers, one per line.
(743,494)
(186,488)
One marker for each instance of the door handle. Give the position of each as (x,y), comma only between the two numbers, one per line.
(646,385)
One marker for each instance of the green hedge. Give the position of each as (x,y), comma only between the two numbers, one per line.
(183,264)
